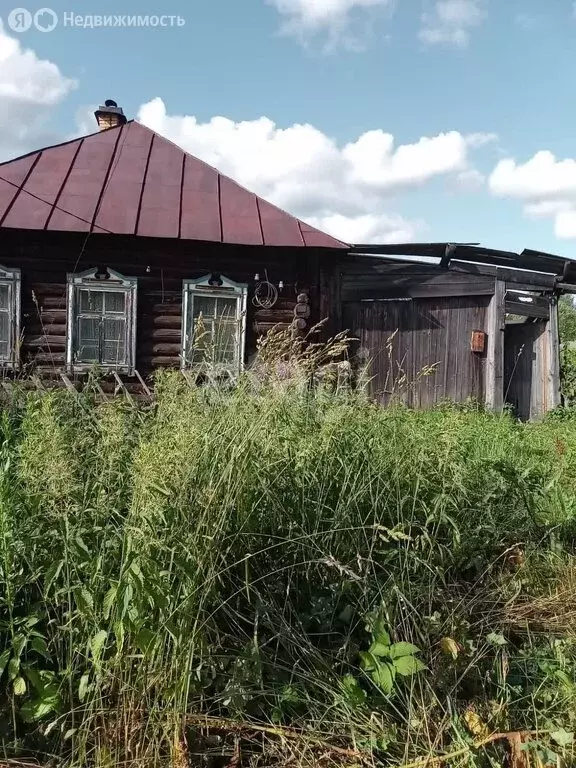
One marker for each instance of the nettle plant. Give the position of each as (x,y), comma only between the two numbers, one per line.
(385,660)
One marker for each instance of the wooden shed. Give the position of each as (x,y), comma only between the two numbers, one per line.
(117,247)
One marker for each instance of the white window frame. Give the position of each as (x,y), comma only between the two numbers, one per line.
(90,279)
(12,278)
(205,286)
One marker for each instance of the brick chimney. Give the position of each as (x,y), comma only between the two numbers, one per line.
(110,115)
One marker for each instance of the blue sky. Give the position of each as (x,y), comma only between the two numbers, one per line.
(495,77)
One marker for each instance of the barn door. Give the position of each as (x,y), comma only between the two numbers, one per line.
(531,355)
(525,369)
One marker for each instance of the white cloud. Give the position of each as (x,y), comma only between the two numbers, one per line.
(545,185)
(451,21)
(344,189)
(369,227)
(469,180)
(306,18)
(30,88)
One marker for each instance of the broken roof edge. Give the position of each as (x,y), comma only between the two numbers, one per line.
(443,253)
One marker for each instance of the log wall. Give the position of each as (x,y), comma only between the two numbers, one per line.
(160,267)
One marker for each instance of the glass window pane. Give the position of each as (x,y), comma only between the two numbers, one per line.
(114,332)
(225,336)
(91,301)
(215,339)
(226,308)
(88,341)
(4,297)
(205,305)
(114,301)
(4,347)
(4,326)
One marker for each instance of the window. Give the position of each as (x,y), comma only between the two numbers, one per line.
(101,320)
(9,317)
(214,326)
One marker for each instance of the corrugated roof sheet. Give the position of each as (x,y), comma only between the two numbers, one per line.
(131,181)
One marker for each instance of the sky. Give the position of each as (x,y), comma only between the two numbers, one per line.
(374,120)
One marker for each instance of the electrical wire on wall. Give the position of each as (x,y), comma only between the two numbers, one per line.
(265,293)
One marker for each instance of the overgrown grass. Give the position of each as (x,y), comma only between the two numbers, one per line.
(222,553)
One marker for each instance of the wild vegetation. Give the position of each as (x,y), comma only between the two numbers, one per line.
(277,574)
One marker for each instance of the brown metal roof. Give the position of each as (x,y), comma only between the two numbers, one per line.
(131,181)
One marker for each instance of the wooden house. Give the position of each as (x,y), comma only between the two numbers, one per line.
(113,245)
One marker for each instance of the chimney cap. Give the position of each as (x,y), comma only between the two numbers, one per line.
(108,110)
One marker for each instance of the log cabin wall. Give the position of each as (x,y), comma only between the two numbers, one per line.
(46,258)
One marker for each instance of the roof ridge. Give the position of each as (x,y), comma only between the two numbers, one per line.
(62,144)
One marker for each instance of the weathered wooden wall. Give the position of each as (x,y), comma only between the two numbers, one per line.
(418,350)
(412,318)
(160,267)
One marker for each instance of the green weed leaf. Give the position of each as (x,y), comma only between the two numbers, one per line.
(383,676)
(13,668)
(398,650)
(368,662)
(109,600)
(97,644)
(83,687)
(32,711)
(4,657)
(355,694)
(494,638)
(379,649)
(408,665)
(562,737)
(19,686)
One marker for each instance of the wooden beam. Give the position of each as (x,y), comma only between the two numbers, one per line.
(554,398)
(519,277)
(494,382)
(528,310)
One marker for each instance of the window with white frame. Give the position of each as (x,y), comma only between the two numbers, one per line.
(101,320)
(9,317)
(214,322)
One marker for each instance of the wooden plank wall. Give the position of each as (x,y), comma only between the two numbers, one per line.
(400,339)
(160,271)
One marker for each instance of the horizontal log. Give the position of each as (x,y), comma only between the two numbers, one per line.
(49,302)
(174,308)
(56,359)
(159,349)
(48,289)
(165,321)
(263,328)
(56,343)
(53,316)
(159,334)
(37,329)
(274,315)
(162,361)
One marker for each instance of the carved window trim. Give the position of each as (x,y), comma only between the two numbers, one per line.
(94,279)
(213,286)
(12,280)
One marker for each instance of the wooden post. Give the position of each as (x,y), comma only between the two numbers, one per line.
(554,398)
(495,354)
